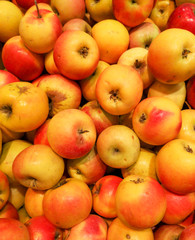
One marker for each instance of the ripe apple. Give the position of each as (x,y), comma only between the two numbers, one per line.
(10,16)
(136,57)
(175,92)
(182,166)
(71,133)
(143,34)
(170,59)
(119,231)
(40,136)
(118,150)
(4,189)
(188,221)
(23,107)
(20,61)
(83,51)
(76,9)
(144,166)
(156,120)
(88,84)
(188,233)
(168,232)
(100,10)
(50,65)
(7,77)
(112,38)
(89,168)
(39,29)
(41,171)
(68,203)
(77,24)
(132,13)
(104,193)
(119,89)
(190,91)
(27,4)
(183,17)
(62,93)
(8,135)
(9,211)
(161,12)
(13,229)
(100,117)
(40,228)
(23,215)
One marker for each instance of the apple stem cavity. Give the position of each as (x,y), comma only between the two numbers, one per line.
(6,109)
(128,236)
(185,53)
(84,52)
(143,118)
(138,180)
(38,12)
(81,131)
(188,149)
(98,188)
(114,95)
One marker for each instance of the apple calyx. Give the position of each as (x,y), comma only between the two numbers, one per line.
(32,182)
(97,189)
(188,149)
(143,118)
(114,95)
(138,65)
(81,131)
(84,51)
(185,53)
(138,180)
(6,109)
(128,236)
(38,12)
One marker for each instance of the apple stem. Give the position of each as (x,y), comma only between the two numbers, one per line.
(38,13)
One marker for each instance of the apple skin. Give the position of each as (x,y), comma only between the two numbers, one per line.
(179,2)
(4,189)
(40,136)
(23,107)
(68,203)
(138,196)
(13,229)
(23,215)
(182,166)
(103,193)
(119,231)
(183,17)
(151,114)
(167,232)
(7,77)
(27,4)
(188,233)
(39,227)
(40,32)
(190,92)
(93,227)
(179,207)
(89,168)
(50,65)
(83,51)
(71,133)
(9,211)
(50,170)
(20,61)
(187,221)
(132,13)
(77,24)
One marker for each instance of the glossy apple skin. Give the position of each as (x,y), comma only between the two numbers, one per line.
(40,228)
(167,232)
(190,92)
(9,211)
(188,233)
(183,17)
(7,77)
(40,136)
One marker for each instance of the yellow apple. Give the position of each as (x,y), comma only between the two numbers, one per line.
(23,215)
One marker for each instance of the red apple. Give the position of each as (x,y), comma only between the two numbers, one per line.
(190,92)
(40,136)
(77,24)
(7,77)
(167,232)
(183,17)
(4,189)
(188,233)
(27,4)
(9,211)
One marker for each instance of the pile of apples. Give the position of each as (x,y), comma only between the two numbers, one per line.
(97,120)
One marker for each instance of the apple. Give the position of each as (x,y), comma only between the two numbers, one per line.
(190,90)
(168,232)
(179,207)
(156,120)
(143,34)
(8,135)
(62,93)
(40,136)
(13,229)
(39,29)
(7,77)
(93,227)
(71,133)
(170,59)
(77,24)
(181,166)
(119,231)
(175,92)
(23,215)
(188,220)
(161,12)
(112,38)
(9,152)
(50,65)
(132,13)
(119,89)
(9,211)
(40,228)
(38,167)
(89,168)
(76,54)
(27,4)
(23,107)
(9,28)
(187,127)
(76,9)
(183,17)
(33,202)
(100,10)
(88,84)
(139,196)
(104,193)
(4,189)
(136,57)
(188,233)
(118,150)
(1,62)
(20,61)
(100,117)
(144,166)
(68,203)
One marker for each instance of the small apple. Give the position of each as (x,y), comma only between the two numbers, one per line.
(9,211)
(4,189)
